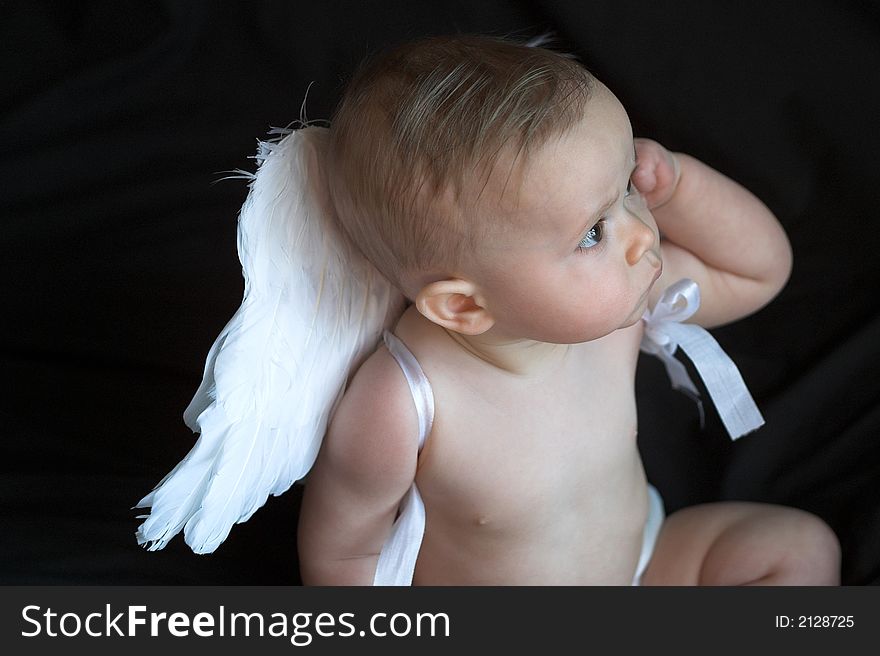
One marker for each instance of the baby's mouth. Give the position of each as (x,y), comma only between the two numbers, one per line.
(655,261)
(657,273)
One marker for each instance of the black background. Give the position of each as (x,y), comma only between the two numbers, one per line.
(119,266)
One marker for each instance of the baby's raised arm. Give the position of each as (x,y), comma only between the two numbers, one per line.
(366,465)
(715,232)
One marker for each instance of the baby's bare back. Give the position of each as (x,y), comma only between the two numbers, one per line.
(529,480)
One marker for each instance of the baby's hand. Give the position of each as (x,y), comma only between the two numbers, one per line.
(657,172)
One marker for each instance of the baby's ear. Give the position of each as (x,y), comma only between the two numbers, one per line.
(456,305)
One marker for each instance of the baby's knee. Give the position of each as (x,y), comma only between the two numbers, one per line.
(772,545)
(814,556)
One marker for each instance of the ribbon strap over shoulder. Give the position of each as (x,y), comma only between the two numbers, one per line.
(665,332)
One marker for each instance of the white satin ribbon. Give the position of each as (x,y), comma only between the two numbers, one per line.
(665,332)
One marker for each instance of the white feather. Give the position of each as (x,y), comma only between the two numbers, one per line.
(313,309)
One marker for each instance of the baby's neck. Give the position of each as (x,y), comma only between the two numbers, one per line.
(520,357)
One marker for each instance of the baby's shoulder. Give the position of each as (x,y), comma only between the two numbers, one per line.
(375,426)
(380,391)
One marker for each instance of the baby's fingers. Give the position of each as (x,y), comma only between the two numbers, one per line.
(644,178)
(649,155)
(656,174)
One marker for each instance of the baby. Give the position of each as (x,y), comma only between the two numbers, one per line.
(500,188)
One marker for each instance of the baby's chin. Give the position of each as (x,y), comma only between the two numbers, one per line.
(621,323)
(639,311)
(585,334)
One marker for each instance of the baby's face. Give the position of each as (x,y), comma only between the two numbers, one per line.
(584,250)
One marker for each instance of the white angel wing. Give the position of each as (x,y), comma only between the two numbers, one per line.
(313,309)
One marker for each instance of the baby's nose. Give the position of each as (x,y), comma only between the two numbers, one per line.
(641,239)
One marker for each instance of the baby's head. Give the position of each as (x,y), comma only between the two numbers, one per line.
(431,147)
(419,131)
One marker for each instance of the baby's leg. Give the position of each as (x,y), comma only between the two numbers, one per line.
(738,543)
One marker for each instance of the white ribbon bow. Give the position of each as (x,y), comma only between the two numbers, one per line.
(665,332)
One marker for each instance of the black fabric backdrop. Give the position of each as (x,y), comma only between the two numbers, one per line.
(119,262)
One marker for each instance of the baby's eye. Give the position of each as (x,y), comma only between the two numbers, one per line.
(593,237)
(629,187)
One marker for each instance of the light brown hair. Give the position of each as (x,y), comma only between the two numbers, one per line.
(429,119)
